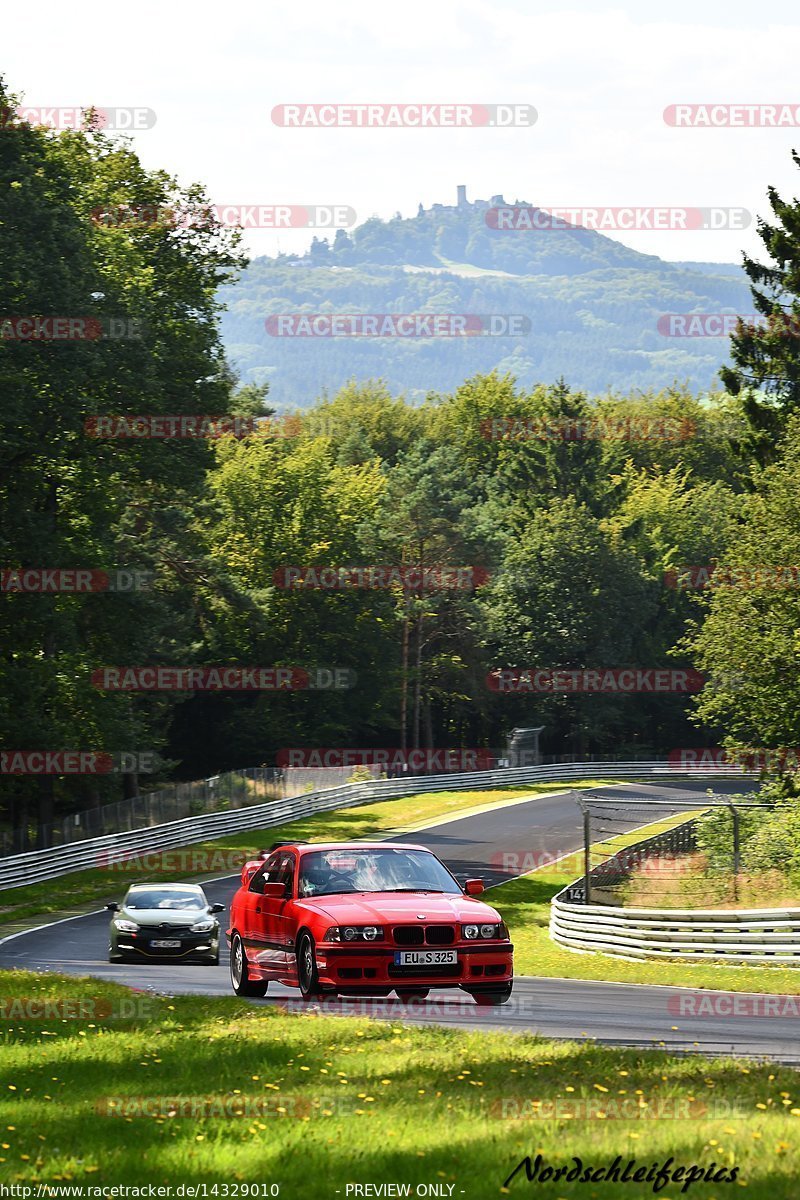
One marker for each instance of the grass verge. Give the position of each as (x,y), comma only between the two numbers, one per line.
(328,1101)
(225,855)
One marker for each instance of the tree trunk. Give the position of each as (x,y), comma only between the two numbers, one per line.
(428,724)
(44,831)
(404,684)
(418,682)
(19,821)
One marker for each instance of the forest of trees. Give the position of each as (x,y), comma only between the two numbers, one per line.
(580,538)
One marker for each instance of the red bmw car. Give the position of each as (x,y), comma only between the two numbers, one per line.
(368,918)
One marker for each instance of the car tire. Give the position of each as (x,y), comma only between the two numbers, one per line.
(406,994)
(307,974)
(210,962)
(492,996)
(240,981)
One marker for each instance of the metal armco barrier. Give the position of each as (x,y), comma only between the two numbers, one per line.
(768,935)
(36,865)
(753,935)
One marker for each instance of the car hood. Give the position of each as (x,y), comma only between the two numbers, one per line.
(163,916)
(374,908)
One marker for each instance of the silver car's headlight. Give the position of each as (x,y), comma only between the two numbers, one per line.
(125,926)
(204,926)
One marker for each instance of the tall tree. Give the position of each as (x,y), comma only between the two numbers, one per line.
(766,355)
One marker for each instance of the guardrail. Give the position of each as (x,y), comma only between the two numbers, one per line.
(37,865)
(753,935)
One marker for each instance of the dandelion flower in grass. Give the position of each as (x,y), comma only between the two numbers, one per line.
(600,1087)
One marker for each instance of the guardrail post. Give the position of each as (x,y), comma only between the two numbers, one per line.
(736,849)
(587,842)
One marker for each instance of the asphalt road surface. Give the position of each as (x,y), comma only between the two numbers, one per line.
(480,844)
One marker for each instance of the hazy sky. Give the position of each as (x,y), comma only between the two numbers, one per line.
(598,75)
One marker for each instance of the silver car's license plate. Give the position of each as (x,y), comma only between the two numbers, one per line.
(424,958)
(166,944)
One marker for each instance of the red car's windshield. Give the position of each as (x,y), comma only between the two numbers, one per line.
(328,872)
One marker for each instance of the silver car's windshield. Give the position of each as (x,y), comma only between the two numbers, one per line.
(165,898)
(330,872)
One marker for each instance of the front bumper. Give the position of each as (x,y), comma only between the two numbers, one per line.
(202,945)
(371,966)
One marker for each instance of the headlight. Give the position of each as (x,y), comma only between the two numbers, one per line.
(204,926)
(354,933)
(126,926)
(484,932)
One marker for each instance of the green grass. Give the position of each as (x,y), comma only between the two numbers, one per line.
(524,904)
(82,889)
(366,1101)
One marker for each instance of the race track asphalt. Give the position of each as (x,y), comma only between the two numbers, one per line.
(480,844)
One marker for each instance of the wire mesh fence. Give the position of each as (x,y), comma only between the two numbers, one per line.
(668,865)
(218,793)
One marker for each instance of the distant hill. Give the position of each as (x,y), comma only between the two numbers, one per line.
(592,305)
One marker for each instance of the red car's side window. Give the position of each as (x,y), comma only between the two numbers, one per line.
(285,873)
(265,874)
(279,868)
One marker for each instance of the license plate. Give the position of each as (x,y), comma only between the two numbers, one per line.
(166,944)
(424,958)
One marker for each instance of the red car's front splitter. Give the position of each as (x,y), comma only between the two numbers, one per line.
(355,966)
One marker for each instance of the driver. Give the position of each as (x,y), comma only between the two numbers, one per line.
(320,877)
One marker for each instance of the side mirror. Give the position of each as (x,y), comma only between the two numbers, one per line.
(274,891)
(473,887)
(112,907)
(214,908)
